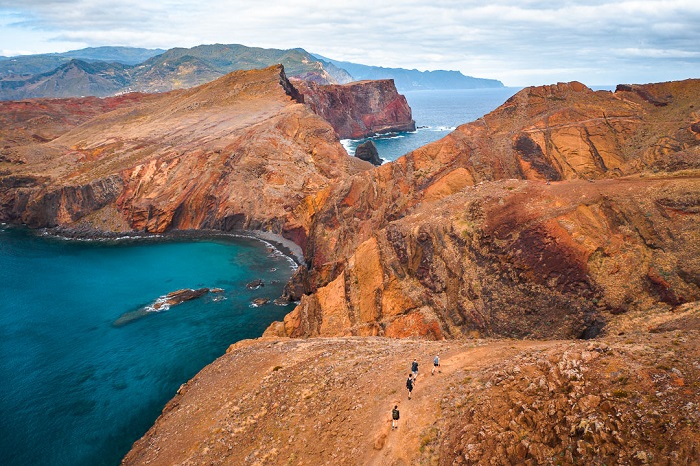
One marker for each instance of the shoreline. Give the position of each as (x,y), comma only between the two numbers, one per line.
(284,246)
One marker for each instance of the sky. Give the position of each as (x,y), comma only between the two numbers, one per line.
(521,43)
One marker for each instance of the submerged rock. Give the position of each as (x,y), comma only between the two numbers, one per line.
(180,296)
(255,284)
(260,301)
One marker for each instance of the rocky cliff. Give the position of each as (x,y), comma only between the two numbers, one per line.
(545,218)
(359,109)
(238,153)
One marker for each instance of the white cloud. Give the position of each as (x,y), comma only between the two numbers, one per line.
(523,42)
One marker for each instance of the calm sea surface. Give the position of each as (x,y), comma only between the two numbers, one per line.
(79,385)
(436,113)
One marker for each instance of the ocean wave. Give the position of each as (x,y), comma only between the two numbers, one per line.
(438,128)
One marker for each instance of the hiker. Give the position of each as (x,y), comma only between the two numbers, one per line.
(395,417)
(414,369)
(436,365)
(409,385)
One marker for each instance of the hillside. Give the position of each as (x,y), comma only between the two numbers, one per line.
(630,398)
(241,152)
(412,80)
(112,70)
(544,219)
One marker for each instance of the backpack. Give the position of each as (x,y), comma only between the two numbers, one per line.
(395,414)
(409,383)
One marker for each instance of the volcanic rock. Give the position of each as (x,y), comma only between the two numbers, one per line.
(237,153)
(359,109)
(255,284)
(497,229)
(180,296)
(367,151)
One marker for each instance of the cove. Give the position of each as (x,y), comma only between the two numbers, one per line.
(78,389)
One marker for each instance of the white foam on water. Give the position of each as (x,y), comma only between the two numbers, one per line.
(348,144)
(164,306)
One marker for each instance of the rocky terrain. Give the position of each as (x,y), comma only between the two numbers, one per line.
(565,215)
(545,218)
(239,153)
(628,398)
(357,110)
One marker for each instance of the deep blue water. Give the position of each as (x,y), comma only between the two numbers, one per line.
(78,389)
(436,113)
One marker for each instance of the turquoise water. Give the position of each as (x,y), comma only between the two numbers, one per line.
(436,114)
(78,389)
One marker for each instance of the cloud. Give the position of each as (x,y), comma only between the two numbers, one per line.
(523,42)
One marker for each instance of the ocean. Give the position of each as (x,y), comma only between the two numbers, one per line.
(86,369)
(436,113)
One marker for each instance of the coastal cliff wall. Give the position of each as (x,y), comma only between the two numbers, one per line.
(238,153)
(359,109)
(601,217)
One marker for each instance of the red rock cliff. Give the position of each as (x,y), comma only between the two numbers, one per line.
(359,109)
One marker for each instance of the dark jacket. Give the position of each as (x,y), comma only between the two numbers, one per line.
(409,383)
(395,414)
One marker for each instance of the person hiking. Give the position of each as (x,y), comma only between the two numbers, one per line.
(409,385)
(395,417)
(436,365)
(414,369)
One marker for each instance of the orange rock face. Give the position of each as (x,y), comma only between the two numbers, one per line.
(543,219)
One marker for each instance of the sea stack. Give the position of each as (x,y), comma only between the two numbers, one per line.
(367,151)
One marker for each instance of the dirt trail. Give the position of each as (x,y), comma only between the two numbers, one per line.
(403,445)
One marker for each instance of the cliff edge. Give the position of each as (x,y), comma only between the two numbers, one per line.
(359,109)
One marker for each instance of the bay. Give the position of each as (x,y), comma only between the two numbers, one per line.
(78,387)
(436,113)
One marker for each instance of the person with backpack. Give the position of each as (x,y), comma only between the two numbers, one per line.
(414,369)
(436,364)
(409,385)
(395,417)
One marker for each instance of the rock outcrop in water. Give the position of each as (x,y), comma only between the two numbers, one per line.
(359,109)
(367,151)
(545,218)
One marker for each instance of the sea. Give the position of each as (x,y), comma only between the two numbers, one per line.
(436,113)
(87,362)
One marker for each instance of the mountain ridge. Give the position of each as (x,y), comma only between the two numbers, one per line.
(157,70)
(408,80)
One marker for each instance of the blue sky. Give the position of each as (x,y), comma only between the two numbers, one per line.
(526,42)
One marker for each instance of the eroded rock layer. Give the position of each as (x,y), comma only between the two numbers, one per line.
(542,219)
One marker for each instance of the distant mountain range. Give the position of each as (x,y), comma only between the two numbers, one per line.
(106,71)
(407,80)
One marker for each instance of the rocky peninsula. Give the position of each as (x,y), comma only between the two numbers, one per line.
(565,215)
